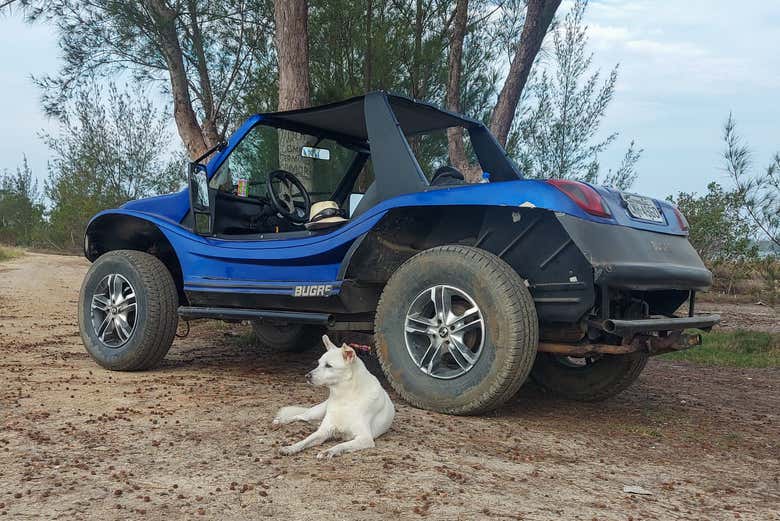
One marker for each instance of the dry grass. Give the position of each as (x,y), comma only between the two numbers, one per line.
(9,252)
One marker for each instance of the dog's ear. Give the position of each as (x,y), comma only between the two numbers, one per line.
(348,353)
(328,344)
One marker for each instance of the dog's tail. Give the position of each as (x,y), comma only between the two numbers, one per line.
(286,414)
(292,410)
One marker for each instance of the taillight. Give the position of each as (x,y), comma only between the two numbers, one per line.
(586,197)
(681,220)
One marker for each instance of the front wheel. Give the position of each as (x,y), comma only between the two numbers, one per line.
(128,310)
(588,379)
(456,330)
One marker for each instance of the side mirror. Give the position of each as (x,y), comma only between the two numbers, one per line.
(200,200)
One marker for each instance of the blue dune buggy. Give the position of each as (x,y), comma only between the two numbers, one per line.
(348,217)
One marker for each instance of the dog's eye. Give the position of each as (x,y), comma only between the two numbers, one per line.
(327,366)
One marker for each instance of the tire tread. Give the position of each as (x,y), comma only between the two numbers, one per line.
(162,302)
(521,342)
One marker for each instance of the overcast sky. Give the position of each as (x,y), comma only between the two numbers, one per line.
(683,67)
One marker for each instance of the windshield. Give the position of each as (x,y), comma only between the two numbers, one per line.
(320,164)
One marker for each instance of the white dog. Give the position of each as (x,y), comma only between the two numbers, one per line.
(357,410)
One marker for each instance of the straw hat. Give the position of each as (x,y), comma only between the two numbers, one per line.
(325,214)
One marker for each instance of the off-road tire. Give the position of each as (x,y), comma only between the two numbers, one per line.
(156,316)
(604,378)
(511,330)
(290,338)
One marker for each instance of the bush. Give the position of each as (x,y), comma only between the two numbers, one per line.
(21,211)
(768,272)
(8,253)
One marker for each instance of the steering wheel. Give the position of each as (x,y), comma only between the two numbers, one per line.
(292,205)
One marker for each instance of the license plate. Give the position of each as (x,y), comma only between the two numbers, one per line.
(641,207)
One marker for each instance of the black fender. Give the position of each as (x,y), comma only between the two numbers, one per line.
(116,231)
(531,240)
(404,232)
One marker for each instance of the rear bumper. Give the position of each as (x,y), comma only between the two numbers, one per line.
(626,328)
(628,258)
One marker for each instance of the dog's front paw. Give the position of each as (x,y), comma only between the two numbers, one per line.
(327,454)
(289,449)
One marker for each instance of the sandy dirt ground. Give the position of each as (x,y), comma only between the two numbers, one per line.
(192,439)
(757,317)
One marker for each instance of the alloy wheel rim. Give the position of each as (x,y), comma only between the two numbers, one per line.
(444,332)
(113,310)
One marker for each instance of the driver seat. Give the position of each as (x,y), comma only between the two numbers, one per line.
(325,214)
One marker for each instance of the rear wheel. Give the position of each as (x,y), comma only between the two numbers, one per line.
(587,379)
(128,310)
(293,338)
(456,330)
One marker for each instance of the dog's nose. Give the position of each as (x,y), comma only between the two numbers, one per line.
(308,376)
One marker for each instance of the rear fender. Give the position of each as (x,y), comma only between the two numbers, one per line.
(405,231)
(531,240)
(116,230)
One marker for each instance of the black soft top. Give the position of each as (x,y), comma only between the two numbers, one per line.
(347,118)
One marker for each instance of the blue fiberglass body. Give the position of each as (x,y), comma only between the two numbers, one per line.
(245,265)
(273,265)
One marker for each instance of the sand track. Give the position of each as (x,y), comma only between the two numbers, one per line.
(192,439)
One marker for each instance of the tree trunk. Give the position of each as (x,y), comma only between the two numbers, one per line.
(539,15)
(183,113)
(457,151)
(292,47)
(209,125)
(416,86)
(369,47)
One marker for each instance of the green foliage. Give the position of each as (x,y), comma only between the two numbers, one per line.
(557,135)
(717,229)
(358,45)
(625,174)
(230,65)
(109,150)
(396,46)
(738,348)
(768,271)
(226,39)
(760,192)
(21,209)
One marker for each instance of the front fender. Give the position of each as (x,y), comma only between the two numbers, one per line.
(173,207)
(114,229)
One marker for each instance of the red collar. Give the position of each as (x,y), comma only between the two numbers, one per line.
(360,347)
